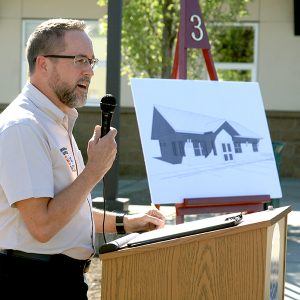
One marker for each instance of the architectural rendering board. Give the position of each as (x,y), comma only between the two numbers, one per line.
(204,139)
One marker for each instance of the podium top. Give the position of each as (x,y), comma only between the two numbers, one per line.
(172,232)
(186,229)
(252,221)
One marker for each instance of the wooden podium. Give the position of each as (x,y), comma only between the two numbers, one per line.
(246,261)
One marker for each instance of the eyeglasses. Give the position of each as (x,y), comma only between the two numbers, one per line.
(79,60)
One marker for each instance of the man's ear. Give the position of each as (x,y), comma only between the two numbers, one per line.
(41,64)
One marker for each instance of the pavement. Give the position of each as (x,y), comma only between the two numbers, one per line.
(137,191)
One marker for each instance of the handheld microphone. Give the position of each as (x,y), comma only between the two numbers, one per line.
(107,105)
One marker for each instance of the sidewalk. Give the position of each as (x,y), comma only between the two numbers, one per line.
(137,190)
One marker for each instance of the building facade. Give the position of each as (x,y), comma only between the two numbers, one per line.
(276,66)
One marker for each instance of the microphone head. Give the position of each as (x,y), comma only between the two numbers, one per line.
(108,103)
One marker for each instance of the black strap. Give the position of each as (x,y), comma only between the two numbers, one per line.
(120,223)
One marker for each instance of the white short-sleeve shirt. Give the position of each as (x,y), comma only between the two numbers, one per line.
(39,158)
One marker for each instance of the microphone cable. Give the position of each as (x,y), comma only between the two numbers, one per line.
(104,211)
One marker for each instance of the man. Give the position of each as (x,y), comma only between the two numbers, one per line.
(47,223)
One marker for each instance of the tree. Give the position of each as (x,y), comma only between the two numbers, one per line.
(150,28)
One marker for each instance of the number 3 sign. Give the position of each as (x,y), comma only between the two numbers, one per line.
(192,34)
(197,27)
(196,35)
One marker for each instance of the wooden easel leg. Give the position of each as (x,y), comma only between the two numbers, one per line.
(175,70)
(209,64)
(179,215)
(179,219)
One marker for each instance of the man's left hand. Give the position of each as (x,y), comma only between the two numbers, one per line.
(153,219)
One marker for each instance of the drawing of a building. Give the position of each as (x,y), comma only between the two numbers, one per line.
(185,134)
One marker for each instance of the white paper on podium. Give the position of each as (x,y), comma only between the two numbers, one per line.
(186,229)
(204,139)
(172,232)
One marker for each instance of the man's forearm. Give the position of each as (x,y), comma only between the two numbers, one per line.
(110,221)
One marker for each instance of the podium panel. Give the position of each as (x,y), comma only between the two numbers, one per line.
(242,262)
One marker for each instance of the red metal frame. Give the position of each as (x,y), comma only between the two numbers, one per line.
(191,24)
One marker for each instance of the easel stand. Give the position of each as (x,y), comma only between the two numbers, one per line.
(192,34)
(220,205)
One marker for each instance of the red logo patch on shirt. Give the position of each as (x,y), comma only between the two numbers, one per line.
(69,159)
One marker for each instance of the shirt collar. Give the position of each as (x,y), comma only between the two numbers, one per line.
(48,107)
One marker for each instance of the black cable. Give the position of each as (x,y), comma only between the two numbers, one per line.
(104,212)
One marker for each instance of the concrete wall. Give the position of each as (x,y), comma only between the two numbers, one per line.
(285,127)
(278,59)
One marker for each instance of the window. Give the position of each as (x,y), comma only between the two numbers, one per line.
(227,151)
(213,146)
(234,51)
(98,84)
(224,147)
(237,147)
(181,148)
(255,147)
(197,148)
(174,148)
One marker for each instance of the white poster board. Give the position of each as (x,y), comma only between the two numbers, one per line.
(204,139)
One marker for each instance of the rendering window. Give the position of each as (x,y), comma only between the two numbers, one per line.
(227,151)
(181,148)
(197,149)
(174,147)
(255,147)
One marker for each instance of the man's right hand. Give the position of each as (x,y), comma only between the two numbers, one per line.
(101,152)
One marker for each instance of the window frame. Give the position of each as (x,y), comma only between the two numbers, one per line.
(252,67)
